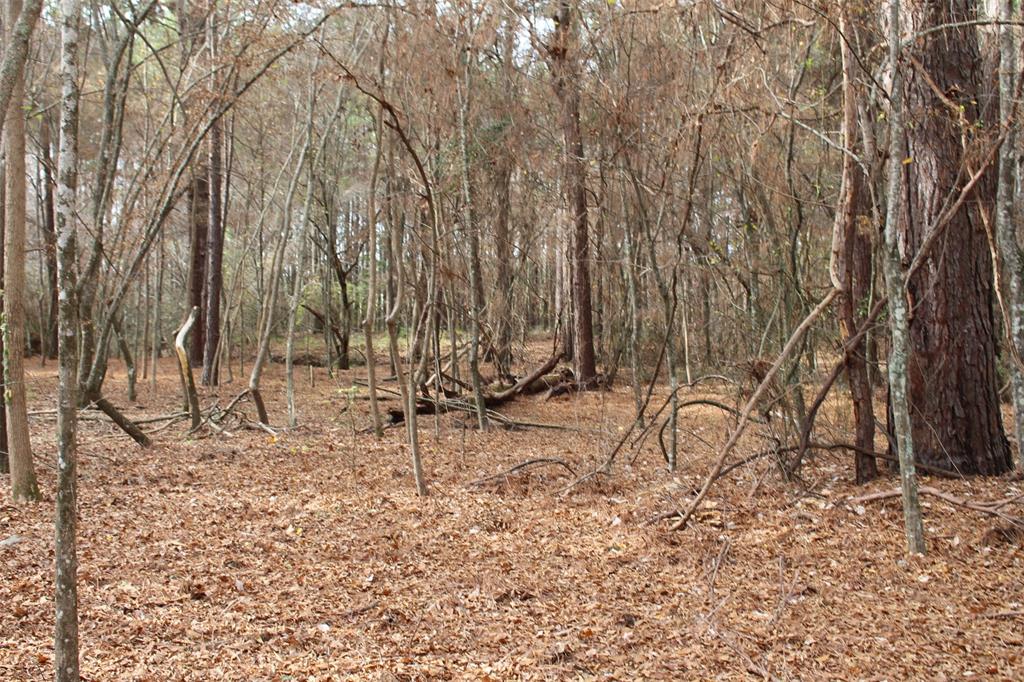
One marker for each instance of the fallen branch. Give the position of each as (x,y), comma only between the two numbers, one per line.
(163,418)
(540,461)
(1004,614)
(496,399)
(675,513)
(429,405)
(258,425)
(583,479)
(690,403)
(851,345)
(123,422)
(606,468)
(741,427)
(231,406)
(990,508)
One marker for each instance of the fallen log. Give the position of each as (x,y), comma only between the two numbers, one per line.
(300,359)
(521,386)
(339,343)
(396,415)
(426,405)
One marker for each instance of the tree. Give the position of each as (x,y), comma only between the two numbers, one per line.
(66,598)
(501,301)
(565,67)
(47,225)
(895,284)
(953,384)
(851,257)
(214,282)
(369,325)
(1008,250)
(277,267)
(199,218)
(463,89)
(23,478)
(193,19)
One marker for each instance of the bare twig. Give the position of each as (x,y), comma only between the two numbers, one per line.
(993,508)
(793,342)
(540,461)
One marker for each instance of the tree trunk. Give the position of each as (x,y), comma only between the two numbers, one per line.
(345,335)
(895,282)
(158,304)
(953,390)
(293,308)
(15,52)
(469,225)
(502,300)
(48,332)
(23,477)
(66,597)
(851,250)
(214,264)
(188,381)
(501,318)
(5,462)
(567,86)
(126,355)
(147,318)
(277,265)
(631,268)
(1009,247)
(199,230)
(214,283)
(406,388)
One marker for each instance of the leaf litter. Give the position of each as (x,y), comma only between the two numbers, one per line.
(308,556)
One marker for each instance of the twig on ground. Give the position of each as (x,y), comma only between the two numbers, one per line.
(993,508)
(540,461)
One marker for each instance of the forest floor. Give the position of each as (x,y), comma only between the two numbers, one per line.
(308,555)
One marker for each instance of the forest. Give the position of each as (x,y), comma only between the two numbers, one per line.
(511,340)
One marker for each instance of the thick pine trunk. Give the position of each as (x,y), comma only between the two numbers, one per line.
(861,274)
(952,364)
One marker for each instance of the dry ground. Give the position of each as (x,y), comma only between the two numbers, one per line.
(307,556)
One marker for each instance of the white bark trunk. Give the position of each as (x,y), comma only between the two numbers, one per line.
(24,486)
(66,598)
(895,282)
